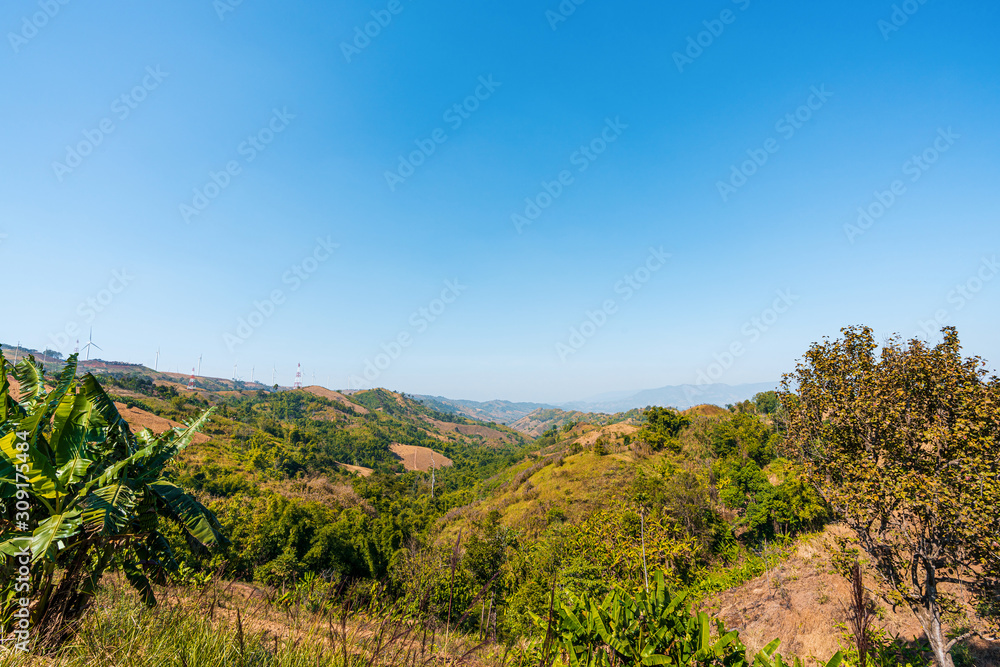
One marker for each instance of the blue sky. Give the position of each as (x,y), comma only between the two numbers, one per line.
(276,125)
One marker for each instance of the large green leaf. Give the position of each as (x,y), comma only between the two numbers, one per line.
(73,470)
(118,434)
(169,444)
(42,478)
(12,543)
(69,429)
(50,535)
(199,523)
(29,376)
(139,582)
(109,509)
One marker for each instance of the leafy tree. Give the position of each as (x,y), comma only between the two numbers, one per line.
(79,492)
(766,402)
(904,446)
(662,427)
(744,435)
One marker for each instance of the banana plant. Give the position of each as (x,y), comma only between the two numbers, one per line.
(767,657)
(645,628)
(79,493)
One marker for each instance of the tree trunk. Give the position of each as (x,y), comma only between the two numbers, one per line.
(935,636)
(929,615)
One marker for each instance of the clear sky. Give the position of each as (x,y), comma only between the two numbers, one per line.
(582,198)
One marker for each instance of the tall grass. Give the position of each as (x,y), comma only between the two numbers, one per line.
(219,628)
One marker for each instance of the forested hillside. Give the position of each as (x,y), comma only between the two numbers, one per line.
(501,538)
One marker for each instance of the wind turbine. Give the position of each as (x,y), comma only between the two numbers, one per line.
(91,343)
(156,364)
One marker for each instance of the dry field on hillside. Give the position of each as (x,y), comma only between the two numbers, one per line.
(420,458)
(336,397)
(139,419)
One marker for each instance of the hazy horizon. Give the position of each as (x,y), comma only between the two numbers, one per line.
(528,202)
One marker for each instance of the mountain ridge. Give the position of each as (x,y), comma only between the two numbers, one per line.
(681,397)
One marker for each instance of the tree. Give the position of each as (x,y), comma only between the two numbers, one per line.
(905,447)
(745,436)
(662,427)
(766,402)
(79,493)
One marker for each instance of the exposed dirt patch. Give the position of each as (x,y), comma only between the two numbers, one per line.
(139,419)
(492,436)
(336,396)
(419,458)
(802,601)
(612,432)
(15,387)
(706,410)
(361,470)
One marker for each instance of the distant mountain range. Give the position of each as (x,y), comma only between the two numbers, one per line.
(676,396)
(500,412)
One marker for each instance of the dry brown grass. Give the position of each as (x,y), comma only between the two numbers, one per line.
(803,600)
(336,397)
(139,419)
(420,458)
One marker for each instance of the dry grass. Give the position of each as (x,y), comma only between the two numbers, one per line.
(420,458)
(139,419)
(242,625)
(804,602)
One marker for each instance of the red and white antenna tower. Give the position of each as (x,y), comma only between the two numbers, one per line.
(298,378)
(191,381)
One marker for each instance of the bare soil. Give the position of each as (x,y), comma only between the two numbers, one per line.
(336,396)
(420,458)
(139,419)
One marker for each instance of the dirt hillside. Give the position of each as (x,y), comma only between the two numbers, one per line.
(419,458)
(803,600)
(139,419)
(330,395)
